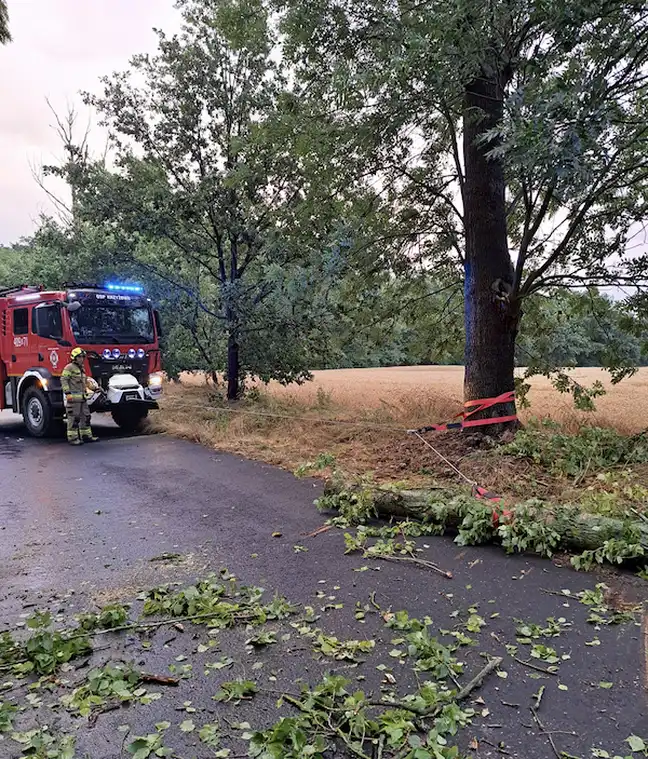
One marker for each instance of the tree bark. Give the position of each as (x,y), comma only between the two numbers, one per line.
(491,317)
(233,369)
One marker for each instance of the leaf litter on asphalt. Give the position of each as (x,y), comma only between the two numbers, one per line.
(424,709)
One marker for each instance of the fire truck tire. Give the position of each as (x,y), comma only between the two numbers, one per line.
(130,420)
(37,413)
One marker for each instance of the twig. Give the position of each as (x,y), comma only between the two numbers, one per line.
(92,719)
(411,560)
(303,708)
(318,531)
(496,747)
(534,666)
(492,665)
(146,677)
(560,595)
(381,746)
(153,625)
(542,729)
(463,694)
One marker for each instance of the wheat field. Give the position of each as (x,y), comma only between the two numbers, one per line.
(439,388)
(428,394)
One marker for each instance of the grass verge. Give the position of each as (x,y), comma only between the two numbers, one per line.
(596,468)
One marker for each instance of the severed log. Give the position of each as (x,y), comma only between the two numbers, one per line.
(579,531)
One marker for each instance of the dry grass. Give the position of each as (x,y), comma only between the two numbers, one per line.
(288,426)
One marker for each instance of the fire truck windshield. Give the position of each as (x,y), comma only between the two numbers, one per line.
(106,324)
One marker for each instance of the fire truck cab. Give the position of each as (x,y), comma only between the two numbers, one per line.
(115,324)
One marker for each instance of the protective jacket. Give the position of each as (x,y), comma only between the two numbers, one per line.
(74,382)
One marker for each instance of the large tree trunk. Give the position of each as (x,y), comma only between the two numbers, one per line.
(491,320)
(233,369)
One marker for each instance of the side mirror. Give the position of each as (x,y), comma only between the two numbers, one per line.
(74,306)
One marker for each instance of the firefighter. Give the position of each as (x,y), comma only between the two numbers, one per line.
(76,384)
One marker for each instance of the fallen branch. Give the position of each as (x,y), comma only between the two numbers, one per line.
(531,665)
(146,677)
(412,560)
(578,531)
(462,695)
(546,733)
(492,665)
(328,727)
(318,531)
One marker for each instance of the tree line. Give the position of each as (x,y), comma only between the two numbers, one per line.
(307,183)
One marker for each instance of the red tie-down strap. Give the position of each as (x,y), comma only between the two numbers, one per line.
(486,495)
(470,409)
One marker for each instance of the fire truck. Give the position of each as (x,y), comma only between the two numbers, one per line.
(117,327)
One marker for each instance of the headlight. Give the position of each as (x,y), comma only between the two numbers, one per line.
(141,353)
(116,353)
(132,353)
(155,380)
(107,353)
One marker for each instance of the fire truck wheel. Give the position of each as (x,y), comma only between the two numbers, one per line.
(130,420)
(37,412)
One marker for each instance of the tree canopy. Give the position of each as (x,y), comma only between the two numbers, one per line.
(5,36)
(309,183)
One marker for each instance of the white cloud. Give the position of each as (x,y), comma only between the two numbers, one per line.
(59,48)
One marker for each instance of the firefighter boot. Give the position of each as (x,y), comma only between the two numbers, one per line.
(89,439)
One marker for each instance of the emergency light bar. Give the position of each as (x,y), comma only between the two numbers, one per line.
(114,287)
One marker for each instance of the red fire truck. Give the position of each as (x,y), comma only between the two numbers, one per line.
(115,324)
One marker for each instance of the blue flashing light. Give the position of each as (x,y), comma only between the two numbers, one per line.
(119,288)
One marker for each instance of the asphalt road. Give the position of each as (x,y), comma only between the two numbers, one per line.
(80,526)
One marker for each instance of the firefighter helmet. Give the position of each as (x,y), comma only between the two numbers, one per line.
(77,352)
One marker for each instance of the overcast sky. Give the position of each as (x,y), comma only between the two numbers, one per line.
(59,48)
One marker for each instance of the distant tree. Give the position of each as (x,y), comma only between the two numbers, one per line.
(5,36)
(208,197)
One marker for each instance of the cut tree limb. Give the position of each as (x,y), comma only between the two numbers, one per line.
(579,531)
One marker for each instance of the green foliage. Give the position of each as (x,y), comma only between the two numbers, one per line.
(476,526)
(236,691)
(621,550)
(323,461)
(589,451)
(601,612)
(528,631)
(287,739)
(7,712)
(151,745)
(116,683)
(354,507)
(111,616)
(45,650)
(342,650)
(41,744)
(526,532)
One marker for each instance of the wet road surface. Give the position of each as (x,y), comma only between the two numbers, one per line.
(80,527)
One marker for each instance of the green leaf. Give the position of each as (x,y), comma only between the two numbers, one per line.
(636,743)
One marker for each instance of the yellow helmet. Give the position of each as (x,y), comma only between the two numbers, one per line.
(77,352)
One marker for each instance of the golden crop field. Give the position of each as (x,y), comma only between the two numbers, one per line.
(426,394)
(415,391)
